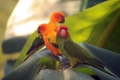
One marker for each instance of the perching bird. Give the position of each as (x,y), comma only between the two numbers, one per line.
(55,19)
(49,37)
(74,52)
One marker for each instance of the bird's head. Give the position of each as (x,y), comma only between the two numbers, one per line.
(63,32)
(57,17)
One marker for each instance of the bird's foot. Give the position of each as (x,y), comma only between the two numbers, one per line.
(64,62)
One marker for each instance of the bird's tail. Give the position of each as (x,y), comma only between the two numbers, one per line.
(28,55)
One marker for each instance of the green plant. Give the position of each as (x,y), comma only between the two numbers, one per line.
(94,26)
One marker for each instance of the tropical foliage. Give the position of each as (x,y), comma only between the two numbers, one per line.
(94,26)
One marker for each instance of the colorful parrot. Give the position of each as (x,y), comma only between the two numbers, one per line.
(55,19)
(49,37)
(74,52)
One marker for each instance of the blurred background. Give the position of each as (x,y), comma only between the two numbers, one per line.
(17,16)
(6,8)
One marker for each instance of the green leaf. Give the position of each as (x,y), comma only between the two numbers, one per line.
(30,68)
(103,75)
(74,75)
(49,74)
(67,74)
(110,59)
(84,69)
(94,24)
(48,63)
(26,71)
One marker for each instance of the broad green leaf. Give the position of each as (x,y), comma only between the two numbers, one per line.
(48,63)
(84,69)
(49,74)
(67,74)
(112,42)
(26,71)
(74,75)
(30,68)
(94,24)
(104,76)
(110,59)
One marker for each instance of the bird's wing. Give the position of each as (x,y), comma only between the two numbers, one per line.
(74,50)
(38,41)
(52,40)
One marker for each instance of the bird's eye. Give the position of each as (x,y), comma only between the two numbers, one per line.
(61,16)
